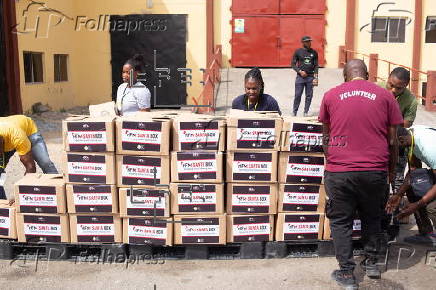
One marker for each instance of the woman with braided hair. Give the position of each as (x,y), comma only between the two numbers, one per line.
(254,98)
(132,95)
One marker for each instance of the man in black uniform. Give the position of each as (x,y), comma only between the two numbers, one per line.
(305,63)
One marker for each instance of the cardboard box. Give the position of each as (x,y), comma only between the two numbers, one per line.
(191,132)
(197,198)
(299,226)
(252,167)
(204,167)
(95,228)
(250,228)
(149,231)
(253,132)
(87,134)
(301,168)
(107,109)
(208,229)
(143,135)
(40,193)
(144,202)
(357,229)
(52,228)
(8,229)
(301,135)
(251,198)
(93,168)
(143,171)
(92,198)
(301,197)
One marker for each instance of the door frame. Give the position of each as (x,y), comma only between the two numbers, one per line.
(12,64)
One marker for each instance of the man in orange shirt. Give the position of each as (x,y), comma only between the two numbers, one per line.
(19,134)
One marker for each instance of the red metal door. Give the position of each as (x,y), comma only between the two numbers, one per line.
(255,41)
(302,7)
(292,28)
(255,7)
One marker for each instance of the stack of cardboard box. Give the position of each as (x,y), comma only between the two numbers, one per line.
(8,228)
(41,209)
(90,175)
(301,170)
(197,180)
(143,169)
(252,150)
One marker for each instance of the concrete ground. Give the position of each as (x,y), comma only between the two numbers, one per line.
(407,271)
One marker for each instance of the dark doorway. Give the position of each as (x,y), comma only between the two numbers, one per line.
(4,103)
(160,36)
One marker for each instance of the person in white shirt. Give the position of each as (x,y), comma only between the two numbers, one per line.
(132,95)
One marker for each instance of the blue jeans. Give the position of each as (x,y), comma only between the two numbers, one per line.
(301,84)
(40,154)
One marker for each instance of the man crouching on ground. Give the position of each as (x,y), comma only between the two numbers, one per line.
(356,177)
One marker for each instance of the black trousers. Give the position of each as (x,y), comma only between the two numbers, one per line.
(349,192)
(301,84)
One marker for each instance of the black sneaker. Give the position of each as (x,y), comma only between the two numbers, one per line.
(371,269)
(345,279)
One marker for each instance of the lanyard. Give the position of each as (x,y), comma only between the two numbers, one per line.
(248,105)
(410,155)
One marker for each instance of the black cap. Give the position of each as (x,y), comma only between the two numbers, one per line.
(306,38)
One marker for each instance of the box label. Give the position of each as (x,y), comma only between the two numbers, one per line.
(95,229)
(141,136)
(5,221)
(196,198)
(86,168)
(252,166)
(196,166)
(206,231)
(255,134)
(142,231)
(40,199)
(305,138)
(144,201)
(251,199)
(87,136)
(137,170)
(42,228)
(95,198)
(198,136)
(300,198)
(297,227)
(251,228)
(305,169)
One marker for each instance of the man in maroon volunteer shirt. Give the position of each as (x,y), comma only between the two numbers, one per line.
(360,122)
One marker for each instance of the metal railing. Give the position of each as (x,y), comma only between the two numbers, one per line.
(428,95)
(211,77)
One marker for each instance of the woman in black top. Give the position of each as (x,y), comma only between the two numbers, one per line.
(254,99)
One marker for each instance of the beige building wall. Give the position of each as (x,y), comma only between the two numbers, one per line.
(40,34)
(400,53)
(428,57)
(335,31)
(90,78)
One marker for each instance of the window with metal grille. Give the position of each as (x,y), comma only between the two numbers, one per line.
(33,67)
(388,29)
(430,29)
(61,67)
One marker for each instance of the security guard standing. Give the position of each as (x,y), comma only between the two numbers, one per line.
(305,63)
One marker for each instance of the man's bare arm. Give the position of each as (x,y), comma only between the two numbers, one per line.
(393,151)
(28,162)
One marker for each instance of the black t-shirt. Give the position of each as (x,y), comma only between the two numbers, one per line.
(266,103)
(305,60)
